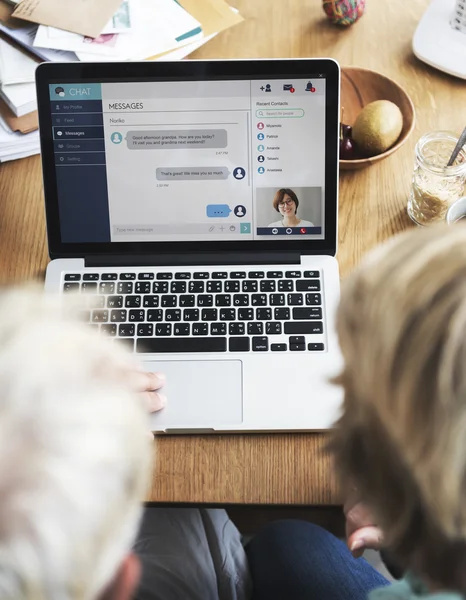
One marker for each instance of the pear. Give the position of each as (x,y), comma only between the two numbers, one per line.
(377,127)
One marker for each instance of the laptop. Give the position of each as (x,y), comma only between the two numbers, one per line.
(193,204)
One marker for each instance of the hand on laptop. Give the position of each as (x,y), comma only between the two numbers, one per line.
(149,386)
(361,531)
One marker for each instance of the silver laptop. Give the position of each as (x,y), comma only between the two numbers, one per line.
(194,205)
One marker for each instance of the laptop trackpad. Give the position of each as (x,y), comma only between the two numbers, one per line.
(201,393)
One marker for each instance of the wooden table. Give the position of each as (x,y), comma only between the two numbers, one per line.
(274,469)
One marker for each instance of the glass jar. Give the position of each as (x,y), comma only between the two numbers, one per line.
(435,186)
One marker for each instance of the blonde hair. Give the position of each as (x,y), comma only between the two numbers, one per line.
(74,454)
(402,435)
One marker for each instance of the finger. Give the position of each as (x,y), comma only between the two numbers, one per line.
(358,516)
(154,401)
(365,538)
(143,381)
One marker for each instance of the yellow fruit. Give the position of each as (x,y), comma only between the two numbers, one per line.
(377,127)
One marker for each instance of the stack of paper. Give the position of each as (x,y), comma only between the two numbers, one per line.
(14,144)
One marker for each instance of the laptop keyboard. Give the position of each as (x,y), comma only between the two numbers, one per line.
(205,311)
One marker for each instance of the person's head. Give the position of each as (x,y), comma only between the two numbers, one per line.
(74,457)
(401,439)
(285,202)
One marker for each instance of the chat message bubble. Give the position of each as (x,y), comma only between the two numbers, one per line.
(176,138)
(217,210)
(191,173)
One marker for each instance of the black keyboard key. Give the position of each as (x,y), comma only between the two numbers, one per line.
(209,314)
(169,301)
(214,287)
(179,344)
(125,288)
(133,301)
(163,329)
(200,329)
(73,277)
(99,316)
(281,314)
(187,301)
(260,344)
(313,299)
(145,276)
(164,276)
(196,287)
(267,285)
(71,287)
(239,344)
(109,329)
(88,287)
(145,329)
(96,302)
(237,275)
(311,274)
(181,329)
(293,274)
(178,287)
(231,286)
(246,314)
(295,299)
(297,339)
(155,314)
(150,301)
(277,299)
(109,277)
(127,276)
(315,347)
(201,275)
(285,286)
(107,288)
(223,300)
(115,302)
(249,286)
(306,314)
(173,314)
(304,327)
(274,274)
(205,300)
(308,285)
(237,329)
(182,275)
(227,314)
(160,287)
(219,275)
(240,300)
(126,330)
(136,315)
(118,316)
(142,287)
(297,347)
(255,328)
(273,328)
(278,347)
(256,274)
(218,329)
(263,314)
(191,314)
(91,277)
(259,300)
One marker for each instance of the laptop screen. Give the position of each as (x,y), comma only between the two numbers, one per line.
(224,160)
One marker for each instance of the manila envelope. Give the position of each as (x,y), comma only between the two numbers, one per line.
(87,17)
(213,15)
(23,124)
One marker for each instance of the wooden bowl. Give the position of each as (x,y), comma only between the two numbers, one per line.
(358,88)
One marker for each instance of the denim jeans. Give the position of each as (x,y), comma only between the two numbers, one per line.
(295,560)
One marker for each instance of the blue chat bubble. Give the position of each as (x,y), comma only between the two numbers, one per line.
(218,210)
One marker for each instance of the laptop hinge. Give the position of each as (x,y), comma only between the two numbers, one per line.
(195,259)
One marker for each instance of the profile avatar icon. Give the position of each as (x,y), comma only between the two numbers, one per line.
(261,170)
(261,158)
(260,125)
(268,88)
(60,91)
(310,87)
(116,137)
(240,210)
(260,136)
(260,148)
(239,173)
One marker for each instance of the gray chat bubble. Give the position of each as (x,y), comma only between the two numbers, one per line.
(172,139)
(191,173)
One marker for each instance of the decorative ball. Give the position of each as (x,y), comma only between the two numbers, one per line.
(344,12)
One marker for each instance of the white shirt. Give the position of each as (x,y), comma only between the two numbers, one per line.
(302,223)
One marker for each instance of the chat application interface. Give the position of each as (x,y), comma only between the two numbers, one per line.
(190,160)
